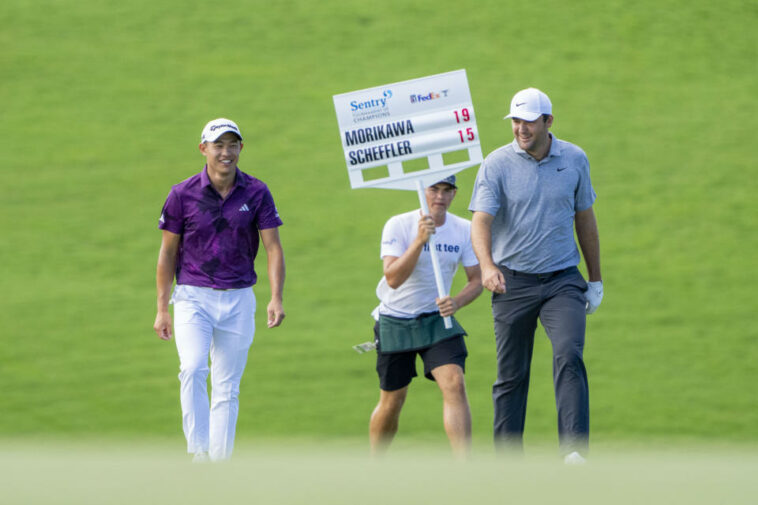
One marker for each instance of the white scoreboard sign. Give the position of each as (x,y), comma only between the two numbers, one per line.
(420,118)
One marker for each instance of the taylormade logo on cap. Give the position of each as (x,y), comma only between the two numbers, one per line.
(529,104)
(214,129)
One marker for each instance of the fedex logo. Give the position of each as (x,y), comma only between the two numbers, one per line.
(432,95)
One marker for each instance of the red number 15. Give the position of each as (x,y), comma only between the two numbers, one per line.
(469,134)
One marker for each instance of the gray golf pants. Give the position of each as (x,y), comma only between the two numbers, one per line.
(557,300)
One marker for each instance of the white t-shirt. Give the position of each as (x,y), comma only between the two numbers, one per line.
(417,294)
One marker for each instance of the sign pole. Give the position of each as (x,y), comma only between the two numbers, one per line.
(441,291)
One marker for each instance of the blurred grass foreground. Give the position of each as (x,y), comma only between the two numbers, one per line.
(114,475)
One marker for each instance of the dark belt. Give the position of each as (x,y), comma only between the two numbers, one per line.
(541,277)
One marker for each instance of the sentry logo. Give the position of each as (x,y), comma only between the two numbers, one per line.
(373,103)
(432,95)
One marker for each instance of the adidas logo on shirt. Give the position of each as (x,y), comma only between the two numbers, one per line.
(244,208)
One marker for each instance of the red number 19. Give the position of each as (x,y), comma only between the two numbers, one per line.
(464,115)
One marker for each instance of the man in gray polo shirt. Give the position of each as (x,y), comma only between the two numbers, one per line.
(529,197)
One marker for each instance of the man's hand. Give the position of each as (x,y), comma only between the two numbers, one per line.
(162,325)
(493,279)
(593,295)
(447,306)
(275,313)
(425,228)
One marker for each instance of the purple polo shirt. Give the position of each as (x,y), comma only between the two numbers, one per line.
(219,237)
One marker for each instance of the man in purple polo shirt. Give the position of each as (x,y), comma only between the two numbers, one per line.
(211,223)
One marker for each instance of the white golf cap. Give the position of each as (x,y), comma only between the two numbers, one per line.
(214,129)
(529,104)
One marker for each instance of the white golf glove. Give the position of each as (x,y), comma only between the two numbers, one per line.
(593,295)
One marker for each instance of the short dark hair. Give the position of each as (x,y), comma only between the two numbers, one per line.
(545,117)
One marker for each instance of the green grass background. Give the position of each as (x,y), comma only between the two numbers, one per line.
(101,107)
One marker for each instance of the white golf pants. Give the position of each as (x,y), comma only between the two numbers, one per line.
(219,324)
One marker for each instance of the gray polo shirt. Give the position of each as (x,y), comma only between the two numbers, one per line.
(534,204)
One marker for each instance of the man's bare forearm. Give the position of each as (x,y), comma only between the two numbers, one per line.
(468,294)
(164,275)
(481,238)
(276,272)
(589,242)
(397,270)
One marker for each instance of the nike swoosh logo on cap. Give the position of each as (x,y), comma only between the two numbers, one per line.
(520,104)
